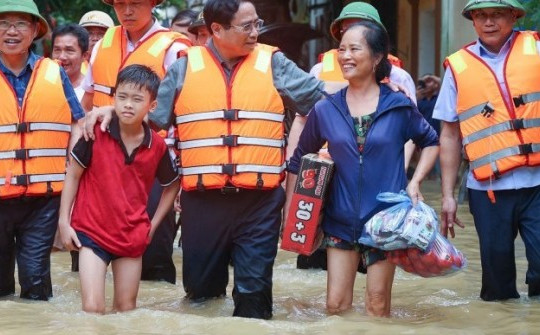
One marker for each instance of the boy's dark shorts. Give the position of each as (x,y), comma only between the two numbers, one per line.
(86,241)
(368,255)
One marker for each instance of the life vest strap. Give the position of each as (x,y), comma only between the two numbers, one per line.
(231,141)
(230,115)
(522,149)
(25,127)
(24,180)
(231,169)
(23,154)
(514,124)
(485,108)
(171,142)
(104,89)
(526,98)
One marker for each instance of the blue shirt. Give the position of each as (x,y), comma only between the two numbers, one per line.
(356,182)
(20,83)
(446,110)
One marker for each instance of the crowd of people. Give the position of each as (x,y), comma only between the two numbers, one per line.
(127,122)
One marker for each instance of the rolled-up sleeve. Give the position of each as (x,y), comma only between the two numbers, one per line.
(298,89)
(445,107)
(310,141)
(169,89)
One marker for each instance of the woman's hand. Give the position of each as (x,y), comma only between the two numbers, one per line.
(413,190)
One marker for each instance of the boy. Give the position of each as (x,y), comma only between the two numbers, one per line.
(111,180)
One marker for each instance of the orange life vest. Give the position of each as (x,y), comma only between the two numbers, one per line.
(111,58)
(34,138)
(498,135)
(230,133)
(331,71)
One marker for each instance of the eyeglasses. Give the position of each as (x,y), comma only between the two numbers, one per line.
(18,25)
(479,15)
(246,28)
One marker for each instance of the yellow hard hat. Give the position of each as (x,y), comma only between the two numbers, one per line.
(96,18)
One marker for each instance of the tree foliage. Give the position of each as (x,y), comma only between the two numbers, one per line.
(532,19)
(63,11)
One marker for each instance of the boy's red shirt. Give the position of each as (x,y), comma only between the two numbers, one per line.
(110,206)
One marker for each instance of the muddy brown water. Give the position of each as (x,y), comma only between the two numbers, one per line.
(446,305)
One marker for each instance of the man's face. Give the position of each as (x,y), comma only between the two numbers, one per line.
(493,26)
(94,35)
(67,51)
(239,38)
(134,15)
(17,31)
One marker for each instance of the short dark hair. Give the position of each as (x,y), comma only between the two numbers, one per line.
(220,11)
(72,29)
(185,14)
(379,43)
(141,76)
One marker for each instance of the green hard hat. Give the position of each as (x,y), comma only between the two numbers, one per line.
(26,7)
(196,24)
(354,10)
(479,4)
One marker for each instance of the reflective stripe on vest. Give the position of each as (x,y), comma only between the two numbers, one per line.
(499,135)
(231,115)
(31,153)
(232,169)
(34,137)
(231,141)
(230,133)
(25,180)
(33,126)
(108,62)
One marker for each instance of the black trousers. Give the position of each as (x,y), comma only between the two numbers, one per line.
(242,227)
(157,262)
(27,229)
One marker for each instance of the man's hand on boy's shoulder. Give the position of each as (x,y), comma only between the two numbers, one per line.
(103,114)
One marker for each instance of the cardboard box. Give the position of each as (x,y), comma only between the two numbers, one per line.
(302,233)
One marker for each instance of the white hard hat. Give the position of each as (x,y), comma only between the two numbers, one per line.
(96,18)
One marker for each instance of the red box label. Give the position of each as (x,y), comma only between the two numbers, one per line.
(302,233)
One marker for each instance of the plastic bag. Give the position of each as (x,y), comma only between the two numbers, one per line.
(441,259)
(400,226)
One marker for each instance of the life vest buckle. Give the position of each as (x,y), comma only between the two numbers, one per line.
(518,101)
(525,149)
(487,111)
(22,127)
(230,140)
(229,169)
(230,114)
(517,124)
(22,180)
(21,154)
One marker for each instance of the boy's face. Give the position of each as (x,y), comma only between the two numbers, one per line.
(132,103)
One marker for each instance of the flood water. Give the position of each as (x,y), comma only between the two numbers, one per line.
(447,305)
